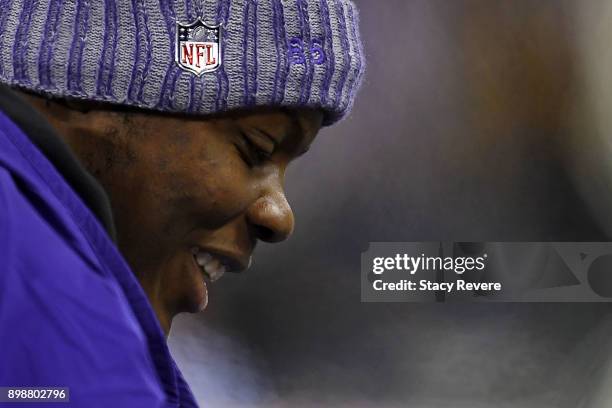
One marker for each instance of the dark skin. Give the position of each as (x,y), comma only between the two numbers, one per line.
(181,184)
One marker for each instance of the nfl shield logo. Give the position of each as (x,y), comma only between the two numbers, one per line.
(198,47)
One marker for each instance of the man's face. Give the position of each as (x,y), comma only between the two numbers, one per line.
(191,197)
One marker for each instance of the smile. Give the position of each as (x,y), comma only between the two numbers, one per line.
(214,266)
(211,266)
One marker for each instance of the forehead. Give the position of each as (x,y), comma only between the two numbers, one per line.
(302,120)
(299,122)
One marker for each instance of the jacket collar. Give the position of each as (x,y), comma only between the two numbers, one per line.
(46,139)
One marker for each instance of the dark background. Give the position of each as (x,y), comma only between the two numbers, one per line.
(478,121)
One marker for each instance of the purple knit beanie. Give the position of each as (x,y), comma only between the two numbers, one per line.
(188,56)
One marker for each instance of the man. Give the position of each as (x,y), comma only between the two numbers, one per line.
(165,127)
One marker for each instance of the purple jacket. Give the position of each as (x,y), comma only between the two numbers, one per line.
(72,314)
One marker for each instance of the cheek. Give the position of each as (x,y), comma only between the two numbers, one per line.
(210,184)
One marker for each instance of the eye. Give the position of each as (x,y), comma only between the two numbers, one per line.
(252,150)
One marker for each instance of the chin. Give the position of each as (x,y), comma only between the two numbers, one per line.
(187,290)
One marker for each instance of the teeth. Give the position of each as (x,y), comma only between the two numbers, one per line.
(215,276)
(204,258)
(210,265)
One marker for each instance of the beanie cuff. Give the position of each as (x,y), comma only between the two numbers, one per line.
(297,53)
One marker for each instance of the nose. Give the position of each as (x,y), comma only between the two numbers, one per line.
(271,217)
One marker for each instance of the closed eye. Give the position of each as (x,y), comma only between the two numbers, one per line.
(254,149)
(262,140)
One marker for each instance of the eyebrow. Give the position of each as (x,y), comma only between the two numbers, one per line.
(297,126)
(295,122)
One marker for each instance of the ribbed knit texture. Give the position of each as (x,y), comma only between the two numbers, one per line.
(294,53)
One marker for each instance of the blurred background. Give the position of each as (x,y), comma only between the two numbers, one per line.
(479,120)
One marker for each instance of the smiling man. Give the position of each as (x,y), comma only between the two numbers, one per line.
(143,147)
